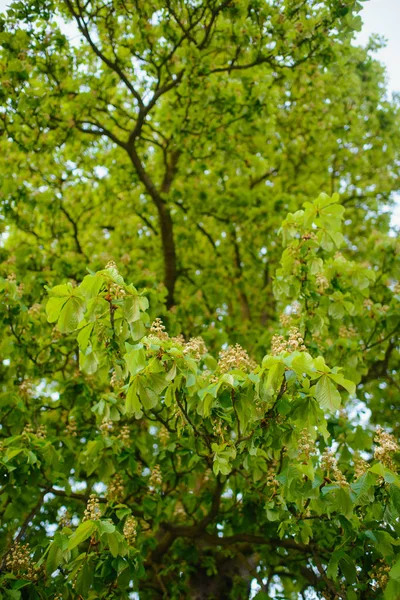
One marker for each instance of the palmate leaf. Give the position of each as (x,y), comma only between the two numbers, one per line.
(346,383)
(327,395)
(131,308)
(271,382)
(302,362)
(67,311)
(54,558)
(84,579)
(71,314)
(395,571)
(82,533)
(132,401)
(361,488)
(136,360)
(91,286)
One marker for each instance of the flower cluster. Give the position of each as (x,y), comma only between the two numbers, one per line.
(70,428)
(114,381)
(115,490)
(111,265)
(305,443)
(130,530)
(381,575)
(125,435)
(322,283)
(179,510)
(34,310)
(195,346)
(65,520)
(163,435)
(155,477)
(157,329)
(367,303)
(347,332)
(116,291)
(25,389)
(19,560)
(92,510)
(41,431)
(294,342)
(106,427)
(220,429)
(28,429)
(235,358)
(360,466)
(285,319)
(387,446)
(272,481)
(329,464)
(278,345)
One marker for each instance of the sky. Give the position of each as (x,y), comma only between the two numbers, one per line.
(383,17)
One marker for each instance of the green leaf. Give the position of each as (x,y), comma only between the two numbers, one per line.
(394,492)
(54,558)
(361,488)
(131,308)
(327,395)
(333,565)
(148,398)
(387,474)
(91,285)
(132,402)
(71,314)
(272,383)
(346,383)
(105,526)
(395,571)
(84,579)
(303,363)
(348,568)
(53,308)
(136,360)
(113,544)
(123,512)
(392,590)
(84,531)
(84,336)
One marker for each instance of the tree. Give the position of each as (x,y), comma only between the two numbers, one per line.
(177,143)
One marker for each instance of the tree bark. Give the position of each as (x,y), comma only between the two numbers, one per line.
(165,221)
(219,586)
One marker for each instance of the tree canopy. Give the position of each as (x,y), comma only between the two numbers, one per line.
(199,302)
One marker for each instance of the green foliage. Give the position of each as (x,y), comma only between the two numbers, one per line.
(179,145)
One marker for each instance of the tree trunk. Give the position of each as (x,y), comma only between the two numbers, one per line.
(169,254)
(231,572)
(164,216)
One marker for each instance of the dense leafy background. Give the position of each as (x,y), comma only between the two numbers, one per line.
(168,162)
